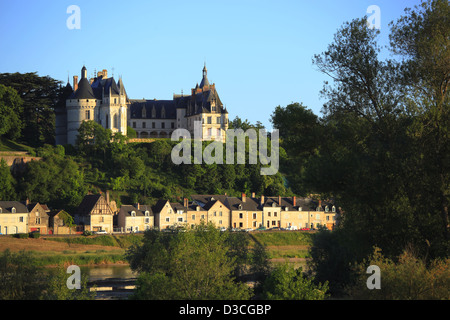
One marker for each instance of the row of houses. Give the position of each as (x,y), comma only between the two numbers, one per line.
(24,217)
(97,214)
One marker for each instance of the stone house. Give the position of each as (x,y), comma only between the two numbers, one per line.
(38,217)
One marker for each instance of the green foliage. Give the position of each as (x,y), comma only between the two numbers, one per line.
(7,185)
(195,264)
(20,279)
(287,283)
(54,180)
(56,288)
(10,111)
(40,95)
(405,278)
(34,235)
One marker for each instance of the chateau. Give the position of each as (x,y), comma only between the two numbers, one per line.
(105,101)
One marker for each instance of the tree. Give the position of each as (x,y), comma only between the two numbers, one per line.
(287,283)
(10,112)
(20,278)
(93,138)
(422,39)
(54,180)
(300,135)
(7,185)
(40,95)
(186,265)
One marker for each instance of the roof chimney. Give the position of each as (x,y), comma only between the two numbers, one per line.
(294,201)
(253,194)
(75,83)
(107,196)
(279,201)
(138,206)
(244,198)
(186,202)
(262,199)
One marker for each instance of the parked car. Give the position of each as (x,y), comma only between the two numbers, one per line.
(101,232)
(262,228)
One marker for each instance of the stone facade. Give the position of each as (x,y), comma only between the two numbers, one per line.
(103,100)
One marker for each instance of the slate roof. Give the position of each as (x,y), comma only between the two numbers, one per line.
(127,209)
(87,204)
(137,106)
(84,91)
(6,206)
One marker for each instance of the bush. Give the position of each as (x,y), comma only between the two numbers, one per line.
(21,235)
(407,278)
(34,235)
(87,233)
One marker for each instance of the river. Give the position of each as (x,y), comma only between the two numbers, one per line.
(107,278)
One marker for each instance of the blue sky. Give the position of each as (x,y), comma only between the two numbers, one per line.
(258,53)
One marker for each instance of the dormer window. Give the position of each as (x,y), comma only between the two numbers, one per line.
(13,210)
(327,209)
(273,204)
(299,208)
(333,209)
(240,207)
(147,213)
(133,213)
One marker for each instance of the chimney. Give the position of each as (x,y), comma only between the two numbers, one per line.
(186,202)
(262,199)
(107,196)
(138,206)
(75,83)
(253,194)
(294,201)
(320,204)
(27,201)
(279,201)
(244,198)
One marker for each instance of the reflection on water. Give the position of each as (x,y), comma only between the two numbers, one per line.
(108,271)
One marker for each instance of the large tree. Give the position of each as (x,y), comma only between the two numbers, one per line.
(10,112)
(187,265)
(40,95)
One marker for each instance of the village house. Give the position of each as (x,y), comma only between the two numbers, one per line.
(135,218)
(94,214)
(13,217)
(58,224)
(38,217)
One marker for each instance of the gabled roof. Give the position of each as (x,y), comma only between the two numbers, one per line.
(159,205)
(87,204)
(127,209)
(7,206)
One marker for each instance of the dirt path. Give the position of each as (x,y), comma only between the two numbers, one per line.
(15,244)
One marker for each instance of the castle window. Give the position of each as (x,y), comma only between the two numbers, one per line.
(218,120)
(163,112)
(153,125)
(144,112)
(116,121)
(134,124)
(115,100)
(163,125)
(209,120)
(153,112)
(143,124)
(88,115)
(173,125)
